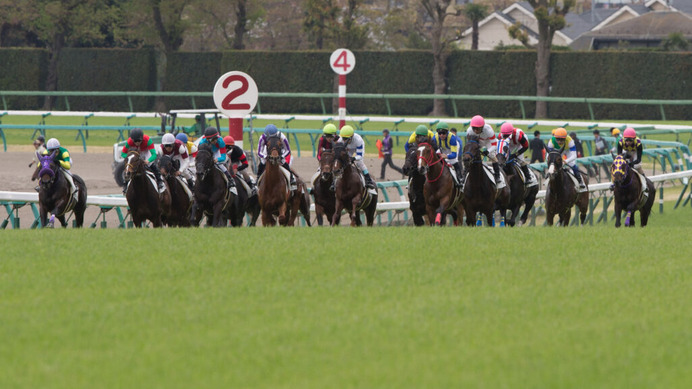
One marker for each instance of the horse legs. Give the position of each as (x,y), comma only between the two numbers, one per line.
(355,218)
(283,219)
(470,217)
(565,217)
(336,218)
(268,219)
(618,212)
(319,211)
(529,201)
(549,217)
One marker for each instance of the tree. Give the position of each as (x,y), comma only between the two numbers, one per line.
(550,15)
(475,12)
(221,25)
(320,21)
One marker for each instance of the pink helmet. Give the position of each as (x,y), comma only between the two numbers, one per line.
(507,128)
(629,133)
(477,121)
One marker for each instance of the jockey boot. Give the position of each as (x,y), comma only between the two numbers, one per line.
(368,181)
(582,186)
(457,170)
(190,184)
(231,181)
(157,175)
(527,176)
(496,170)
(260,170)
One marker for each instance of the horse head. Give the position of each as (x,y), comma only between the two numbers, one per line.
(326,165)
(204,161)
(619,170)
(554,162)
(49,170)
(274,150)
(167,166)
(426,157)
(134,165)
(341,159)
(410,162)
(472,151)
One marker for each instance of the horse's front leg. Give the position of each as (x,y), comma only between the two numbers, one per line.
(354,210)
(218,220)
(565,217)
(283,219)
(631,209)
(618,212)
(470,217)
(336,217)
(63,222)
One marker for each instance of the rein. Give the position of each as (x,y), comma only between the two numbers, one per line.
(432,164)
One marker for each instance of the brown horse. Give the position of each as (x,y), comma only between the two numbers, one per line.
(54,194)
(142,194)
(351,193)
(276,199)
(520,194)
(325,198)
(628,195)
(440,193)
(181,196)
(480,191)
(212,195)
(562,193)
(416,199)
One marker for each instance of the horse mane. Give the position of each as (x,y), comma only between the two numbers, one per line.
(472,137)
(339,150)
(204,147)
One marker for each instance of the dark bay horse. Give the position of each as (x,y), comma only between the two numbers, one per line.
(480,191)
(54,194)
(181,196)
(520,194)
(351,193)
(275,197)
(562,193)
(325,199)
(212,196)
(142,193)
(246,203)
(416,181)
(628,195)
(440,193)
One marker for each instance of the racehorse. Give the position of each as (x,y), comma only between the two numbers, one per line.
(325,198)
(212,195)
(351,193)
(54,194)
(181,196)
(480,191)
(628,194)
(276,199)
(142,193)
(440,194)
(416,181)
(562,192)
(520,194)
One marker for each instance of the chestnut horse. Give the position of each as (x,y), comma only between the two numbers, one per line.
(440,193)
(325,198)
(142,193)
(54,194)
(351,193)
(416,199)
(562,193)
(628,194)
(276,199)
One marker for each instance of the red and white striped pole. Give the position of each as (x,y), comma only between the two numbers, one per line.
(342,100)
(235,129)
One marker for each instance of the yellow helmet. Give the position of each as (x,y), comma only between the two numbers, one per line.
(560,133)
(615,132)
(329,129)
(346,131)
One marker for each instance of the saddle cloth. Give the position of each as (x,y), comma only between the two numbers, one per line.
(571,175)
(530,181)
(185,187)
(644,191)
(491,174)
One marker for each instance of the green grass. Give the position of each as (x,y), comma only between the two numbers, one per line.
(316,308)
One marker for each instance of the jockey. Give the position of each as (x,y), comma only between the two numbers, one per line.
(615,133)
(449,147)
(630,147)
(40,147)
(218,148)
(62,157)
(327,140)
(425,136)
(518,144)
(271,131)
(145,146)
(177,150)
(565,145)
(237,157)
(191,146)
(487,141)
(356,148)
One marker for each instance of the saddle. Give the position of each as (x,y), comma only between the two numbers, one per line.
(571,175)
(184,184)
(644,191)
(452,171)
(74,193)
(530,181)
(368,195)
(362,181)
(491,174)
(232,189)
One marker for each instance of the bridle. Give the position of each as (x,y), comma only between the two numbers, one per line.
(621,166)
(133,166)
(474,153)
(422,147)
(274,143)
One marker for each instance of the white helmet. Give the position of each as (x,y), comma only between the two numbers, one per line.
(52,144)
(168,139)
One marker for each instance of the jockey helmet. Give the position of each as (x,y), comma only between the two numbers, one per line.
(629,133)
(271,130)
(52,144)
(560,133)
(168,139)
(137,135)
(329,129)
(477,121)
(442,127)
(346,132)
(421,130)
(211,132)
(507,128)
(40,139)
(228,140)
(181,137)
(615,132)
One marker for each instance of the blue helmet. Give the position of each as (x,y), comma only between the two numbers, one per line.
(270,130)
(181,137)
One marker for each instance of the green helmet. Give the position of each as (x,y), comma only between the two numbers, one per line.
(421,130)
(329,129)
(346,131)
(442,126)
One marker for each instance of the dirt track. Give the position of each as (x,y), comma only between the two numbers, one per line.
(95,168)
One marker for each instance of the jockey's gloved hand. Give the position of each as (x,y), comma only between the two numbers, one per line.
(512,156)
(353,159)
(484,151)
(631,164)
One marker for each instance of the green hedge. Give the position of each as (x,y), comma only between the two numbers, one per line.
(23,69)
